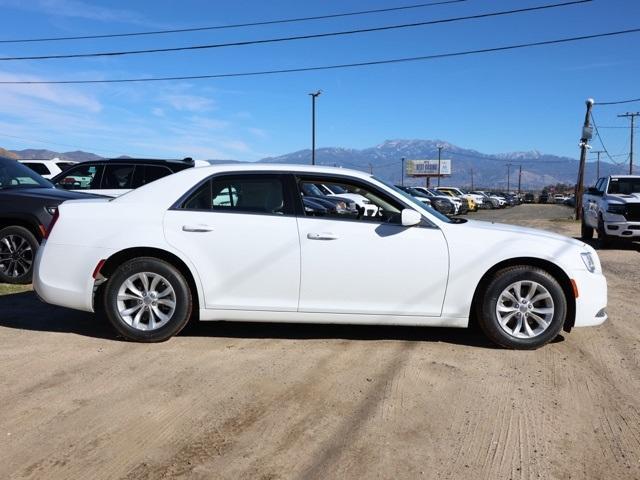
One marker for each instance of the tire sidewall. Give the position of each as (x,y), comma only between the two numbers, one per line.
(504,278)
(33,242)
(180,316)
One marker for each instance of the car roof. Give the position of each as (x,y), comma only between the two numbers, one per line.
(187,162)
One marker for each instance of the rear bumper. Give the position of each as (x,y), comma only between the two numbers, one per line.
(623,229)
(62,275)
(591,304)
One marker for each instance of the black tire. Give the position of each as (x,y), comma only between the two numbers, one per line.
(586,232)
(16,267)
(170,275)
(604,240)
(488,300)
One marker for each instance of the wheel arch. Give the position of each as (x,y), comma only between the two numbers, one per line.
(557,272)
(29,223)
(122,256)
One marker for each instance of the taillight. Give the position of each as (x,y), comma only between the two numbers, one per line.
(56,215)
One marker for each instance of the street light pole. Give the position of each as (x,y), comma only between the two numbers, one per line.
(313,95)
(402,183)
(587,133)
(439,154)
(508,177)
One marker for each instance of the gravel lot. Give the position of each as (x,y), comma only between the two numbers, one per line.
(312,401)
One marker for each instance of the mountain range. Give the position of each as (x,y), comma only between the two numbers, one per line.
(384,160)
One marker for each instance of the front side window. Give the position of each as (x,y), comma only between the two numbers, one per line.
(356,202)
(82,177)
(241,194)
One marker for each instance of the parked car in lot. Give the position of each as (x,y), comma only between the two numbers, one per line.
(48,168)
(27,204)
(441,203)
(120,175)
(559,198)
(529,198)
(475,201)
(461,206)
(155,256)
(337,191)
(612,208)
(492,201)
(543,198)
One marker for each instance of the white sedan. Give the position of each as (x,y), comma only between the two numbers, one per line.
(173,249)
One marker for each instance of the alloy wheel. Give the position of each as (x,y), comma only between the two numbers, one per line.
(525,309)
(16,256)
(146,301)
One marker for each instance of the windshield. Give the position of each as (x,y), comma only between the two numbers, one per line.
(15,175)
(311,190)
(337,189)
(413,201)
(625,186)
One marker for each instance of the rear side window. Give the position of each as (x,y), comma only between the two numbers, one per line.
(64,165)
(39,168)
(117,177)
(148,173)
(241,194)
(82,177)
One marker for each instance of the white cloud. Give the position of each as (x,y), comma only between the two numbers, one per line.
(258,132)
(189,103)
(77,9)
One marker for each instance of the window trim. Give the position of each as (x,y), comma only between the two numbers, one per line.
(285,177)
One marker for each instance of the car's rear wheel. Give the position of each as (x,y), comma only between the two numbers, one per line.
(586,232)
(522,307)
(18,248)
(147,300)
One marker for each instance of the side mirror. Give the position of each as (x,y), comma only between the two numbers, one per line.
(410,217)
(593,191)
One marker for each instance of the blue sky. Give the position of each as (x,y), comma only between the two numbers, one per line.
(512,101)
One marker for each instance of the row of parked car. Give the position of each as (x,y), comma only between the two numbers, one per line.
(457,201)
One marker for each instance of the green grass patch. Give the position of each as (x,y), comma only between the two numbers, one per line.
(6,289)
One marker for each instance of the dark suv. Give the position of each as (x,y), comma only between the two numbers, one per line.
(117,176)
(27,205)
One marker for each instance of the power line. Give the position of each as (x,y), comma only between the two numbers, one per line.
(595,127)
(295,37)
(631,100)
(235,25)
(325,67)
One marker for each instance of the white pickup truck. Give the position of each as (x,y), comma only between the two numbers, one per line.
(612,208)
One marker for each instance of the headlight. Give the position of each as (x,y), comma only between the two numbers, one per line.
(588,260)
(617,208)
(51,210)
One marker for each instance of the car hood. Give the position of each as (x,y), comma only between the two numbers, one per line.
(48,193)
(520,231)
(624,198)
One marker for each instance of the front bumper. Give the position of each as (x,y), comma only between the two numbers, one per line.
(591,303)
(623,229)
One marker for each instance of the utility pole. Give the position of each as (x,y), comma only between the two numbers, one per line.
(632,116)
(370,169)
(598,152)
(587,133)
(440,147)
(313,95)
(519,179)
(472,179)
(402,182)
(508,177)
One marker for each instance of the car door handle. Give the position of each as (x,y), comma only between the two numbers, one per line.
(197,228)
(322,236)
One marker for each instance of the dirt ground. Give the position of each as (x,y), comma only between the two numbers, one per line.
(238,401)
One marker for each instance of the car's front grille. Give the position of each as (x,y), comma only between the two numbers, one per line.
(633,212)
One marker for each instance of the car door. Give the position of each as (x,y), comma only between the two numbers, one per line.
(591,208)
(370,265)
(241,233)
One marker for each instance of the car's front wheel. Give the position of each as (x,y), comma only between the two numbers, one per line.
(522,307)
(18,247)
(147,300)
